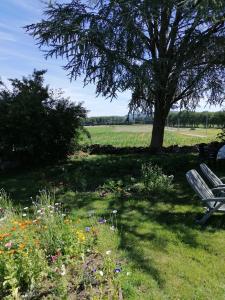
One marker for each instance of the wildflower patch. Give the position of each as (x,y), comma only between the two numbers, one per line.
(45,251)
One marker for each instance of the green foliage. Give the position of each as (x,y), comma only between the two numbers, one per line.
(221,135)
(155,181)
(37,124)
(195,119)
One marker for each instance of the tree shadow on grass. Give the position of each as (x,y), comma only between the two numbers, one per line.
(164,226)
(76,181)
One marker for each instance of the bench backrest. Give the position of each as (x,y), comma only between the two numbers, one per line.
(210,175)
(199,185)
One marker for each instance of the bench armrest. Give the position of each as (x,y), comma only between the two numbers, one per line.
(219,188)
(216,199)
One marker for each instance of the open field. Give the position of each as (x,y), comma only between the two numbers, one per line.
(139,135)
(168,256)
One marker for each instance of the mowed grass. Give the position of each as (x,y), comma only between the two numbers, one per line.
(139,135)
(168,254)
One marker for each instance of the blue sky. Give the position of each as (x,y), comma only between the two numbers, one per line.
(19,56)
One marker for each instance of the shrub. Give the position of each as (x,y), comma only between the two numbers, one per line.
(221,135)
(154,180)
(36,123)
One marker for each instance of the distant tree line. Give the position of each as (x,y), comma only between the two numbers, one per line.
(118,120)
(104,120)
(195,119)
(175,119)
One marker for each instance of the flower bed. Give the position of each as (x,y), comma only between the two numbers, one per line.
(45,252)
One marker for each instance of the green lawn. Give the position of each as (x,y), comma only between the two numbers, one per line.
(168,255)
(139,135)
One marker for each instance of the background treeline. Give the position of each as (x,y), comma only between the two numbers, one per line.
(175,119)
(118,120)
(196,119)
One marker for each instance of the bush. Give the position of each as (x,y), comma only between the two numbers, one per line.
(154,181)
(36,123)
(221,135)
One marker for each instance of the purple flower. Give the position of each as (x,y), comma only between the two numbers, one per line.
(117,270)
(102,221)
(87,229)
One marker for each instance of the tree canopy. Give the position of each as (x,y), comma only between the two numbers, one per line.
(164,51)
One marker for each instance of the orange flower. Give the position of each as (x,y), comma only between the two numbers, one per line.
(37,242)
(28,222)
(4,235)
(21,246)
(1,251)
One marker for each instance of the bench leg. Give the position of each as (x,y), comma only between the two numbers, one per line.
(205,217)
(209,213)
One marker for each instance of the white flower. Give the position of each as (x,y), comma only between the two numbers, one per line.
(56,204)
(25,208)
(24,215)
(171,177)
(108,252)
(114,211)
(101,273)
(39,211)
(128,273)
(112,228)
(91,212)
(63,270)
(63,215)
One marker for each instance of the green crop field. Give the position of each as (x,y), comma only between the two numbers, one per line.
(139,135)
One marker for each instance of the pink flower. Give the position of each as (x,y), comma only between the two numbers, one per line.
(54,258)
(8,245)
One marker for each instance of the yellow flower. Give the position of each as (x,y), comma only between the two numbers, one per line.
(67,221)
(80,236)
(1,251)
(37,242)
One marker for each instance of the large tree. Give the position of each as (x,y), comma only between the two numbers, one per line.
(164,51)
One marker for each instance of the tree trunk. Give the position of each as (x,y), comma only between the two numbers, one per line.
(159,123)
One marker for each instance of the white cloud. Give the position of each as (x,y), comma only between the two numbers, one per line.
(4,36)
(29,5)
